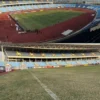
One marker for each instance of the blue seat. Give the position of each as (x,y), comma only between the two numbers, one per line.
(29,64)
(14,64)
(2,63)
(2,9)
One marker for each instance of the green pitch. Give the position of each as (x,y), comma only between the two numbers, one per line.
(42,19)
(75,83)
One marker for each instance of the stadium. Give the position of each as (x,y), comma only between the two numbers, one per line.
(45,21)
(21,56)
(52,71)
(33,67)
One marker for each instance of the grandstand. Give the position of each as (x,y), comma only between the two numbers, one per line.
(49,55)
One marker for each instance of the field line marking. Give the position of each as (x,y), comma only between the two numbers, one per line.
(53,95)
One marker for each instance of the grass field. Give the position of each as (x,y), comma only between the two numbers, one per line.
(42,19)
(77,83)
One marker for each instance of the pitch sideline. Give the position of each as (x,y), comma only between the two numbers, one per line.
(51,93)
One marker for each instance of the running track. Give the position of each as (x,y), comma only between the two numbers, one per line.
(9,34)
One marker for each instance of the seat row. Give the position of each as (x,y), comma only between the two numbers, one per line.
(38,64)
(33,7)
(33,54)
(29,7)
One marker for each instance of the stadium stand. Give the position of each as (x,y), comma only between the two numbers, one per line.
(49,55)
(7,6)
